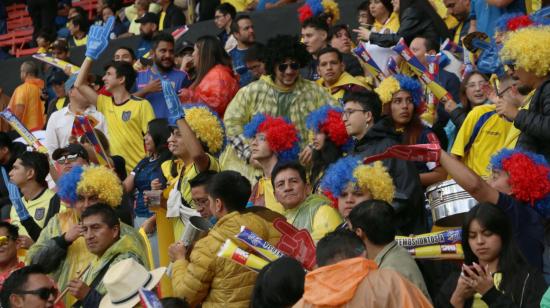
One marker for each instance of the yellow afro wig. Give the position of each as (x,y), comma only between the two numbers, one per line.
(101,182)
(207,126)
(387,88)
(376,179)
(528,48)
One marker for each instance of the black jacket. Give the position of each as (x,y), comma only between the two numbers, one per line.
(410,207)
(532,291)
(534,123)
(174,17)
(413,23)
(458,116)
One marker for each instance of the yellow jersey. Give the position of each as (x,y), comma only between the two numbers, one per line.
(482,134)
(41,209)
(127,124)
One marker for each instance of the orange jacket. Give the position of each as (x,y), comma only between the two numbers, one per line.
(216,89)
(358,282)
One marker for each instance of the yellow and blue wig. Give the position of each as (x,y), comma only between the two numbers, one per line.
(207,126)
(398,82)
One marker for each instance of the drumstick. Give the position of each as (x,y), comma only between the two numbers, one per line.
(67,288)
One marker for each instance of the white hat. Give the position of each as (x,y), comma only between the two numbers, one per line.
(123,281)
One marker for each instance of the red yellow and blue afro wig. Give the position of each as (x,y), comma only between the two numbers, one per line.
(328,120)
(529,177)
(282,136)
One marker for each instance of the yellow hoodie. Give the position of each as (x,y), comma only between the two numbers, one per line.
(345,82)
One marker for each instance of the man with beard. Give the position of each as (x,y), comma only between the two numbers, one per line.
(243,30)
(148,26)
(148,81)
(531,125)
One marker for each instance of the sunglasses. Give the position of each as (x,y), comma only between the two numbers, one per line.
(71,158)
(43,293)
(293,65)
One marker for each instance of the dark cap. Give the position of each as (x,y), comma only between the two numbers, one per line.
(71,149)
(60,44)
(58,78)
(148,17)
(184,46)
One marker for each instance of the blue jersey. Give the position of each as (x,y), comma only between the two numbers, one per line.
(179,80)
(486,15)
(239,66)
(143,48)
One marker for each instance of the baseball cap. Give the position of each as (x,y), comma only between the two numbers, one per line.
(148,17)
(71,149)
(184,46)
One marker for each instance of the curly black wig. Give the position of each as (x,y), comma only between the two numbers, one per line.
(283,47)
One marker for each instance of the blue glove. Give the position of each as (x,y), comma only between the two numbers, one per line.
(175,112)
(15,198)
(98,38)
(489,61)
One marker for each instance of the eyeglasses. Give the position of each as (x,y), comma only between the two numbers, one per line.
(43,293)
(293,65)
(201,202)
(348,112)
(67,159)
(480,84)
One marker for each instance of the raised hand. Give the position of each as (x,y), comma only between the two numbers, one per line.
(98,39)
(175,112)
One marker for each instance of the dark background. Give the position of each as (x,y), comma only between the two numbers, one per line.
(266,25)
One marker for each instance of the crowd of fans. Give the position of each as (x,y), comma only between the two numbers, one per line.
(324,148)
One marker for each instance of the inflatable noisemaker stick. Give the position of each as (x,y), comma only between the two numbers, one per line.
(258,244)
(56,62)
(392,66)
(446,237)
(417,152)
(372,67)
(231,251)
(438,252)
(82,126)
(452,47)
(20,128)
(402,49)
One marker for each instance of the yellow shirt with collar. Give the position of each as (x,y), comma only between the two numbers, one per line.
(337,89)
(489,140)
(127,124)
(392,24)
(37,208)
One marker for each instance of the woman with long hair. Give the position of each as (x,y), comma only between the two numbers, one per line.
(215,84)
(472,94)
(494,272)
(330,140)
(147,170)
(402,102)
(382,16)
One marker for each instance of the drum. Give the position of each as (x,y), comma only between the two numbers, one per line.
(449,203)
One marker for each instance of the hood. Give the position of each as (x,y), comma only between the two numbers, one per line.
(35,81)
(381,130)
(335,284)
(345,80)
(270,82)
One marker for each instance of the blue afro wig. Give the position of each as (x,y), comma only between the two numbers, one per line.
(66,186)
(412,86)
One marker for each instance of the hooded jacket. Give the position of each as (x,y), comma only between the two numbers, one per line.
(534,123)
(409,197)
(358,282)
(219,282)
(216,89)
(345,83)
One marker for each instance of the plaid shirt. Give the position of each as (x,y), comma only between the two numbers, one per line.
(265,97)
